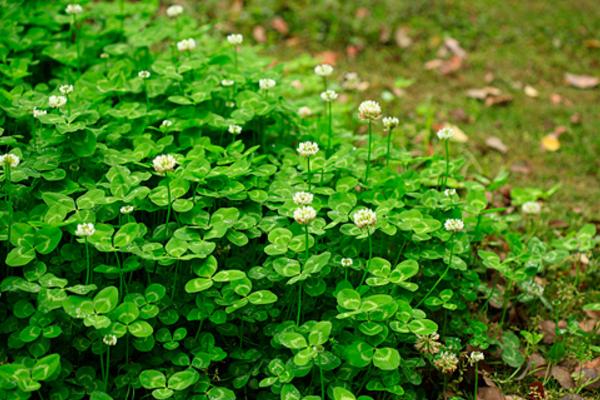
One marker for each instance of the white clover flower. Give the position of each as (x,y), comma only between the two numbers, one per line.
(12,160)
(454,225)
(85,230)
(266,84)
(449,192)
(234,129)
(303,198)
(186,45)
(235,39)
(174,10)
(73,9)
(65,89)
(144,74)
(428,344)
(38,113)
(110,340)
(531,207)
(475,357)
(329,95)
(227,82)
(346,262)
(446,362)
(126,209)
(305,215)
(304,112)
(166,123)
(445,133)
(364,218)
(369,110)
(323,70)
(164,163)
(390,122)
(307,149)
(56,101)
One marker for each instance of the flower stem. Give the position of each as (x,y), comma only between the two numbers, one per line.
(309,174)
(476,380)
(505,302)
(7,182)
(369,239)
(368,155)
(88,274)
(235,58)
(107,369)
(441,276)
(329,126)
(322,383)
(169,200)
(299,304)
(447,173)
(389,145)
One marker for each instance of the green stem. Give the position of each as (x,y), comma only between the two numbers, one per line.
(7,182)
(441,276)
(306,243)
(368,155)
(88,274)
(235,58)
(120,273)
(308,173)
(505,302)
(299,312)
(389,146)
(175,280)
(169,200)
(369,239)
(476,381)
(447,173)
(329,127)
(107,369)
(322,383)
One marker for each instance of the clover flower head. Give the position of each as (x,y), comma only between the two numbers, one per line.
(475,357)
(390,122)
(531,207)
(449,192)
(85,230)
(304,112)
(329,95)
(38,113)
(186,45)
(57,101)
(110,340)
(234,129)
(307,149)
(126,209)
(235,39)
(73,9)
(446,362)
(428,344)
(445,133)
(346,262)
(305,215)
(166,123)
(174,10)
(323,70)
(266,84)
(164,163)
(369,110)
(144,74)
(454,225)
(364,218)
(227,82)
(303,198)
(9,159)
(65,89)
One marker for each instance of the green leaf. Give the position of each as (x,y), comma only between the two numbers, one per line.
(292,340)
(182,380)
(349,298)
(262,297)
(127,312)
(319,333)
(106,300)
(422,326)
(198,285)
(152,379)
(140,329)
(386,358)
(339,393)
(162,393)
(46,239)
(20,256)
(221,393)
(46,367)
(229,275)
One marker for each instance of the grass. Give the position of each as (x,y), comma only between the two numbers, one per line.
(520,43)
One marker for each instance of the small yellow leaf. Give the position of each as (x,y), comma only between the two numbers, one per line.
(550,143)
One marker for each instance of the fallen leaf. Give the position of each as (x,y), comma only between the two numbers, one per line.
(484,92)
(592,43)
(280,25)
(555,99)
(498,100)
(581,81)
(459,135)
(558,224)
(521,168)
(536,391)
(259,33)
(433,64)
(454,47)
(352,51)
(548,328)
(559,130)
(575,119)
(550,142)
(563,377)
(362,12)
(328,57)
(496,143)
(572,397)
(450,66)
(489,393)
(460,115)
(531,91)
(402,39)
(488,77)
(385,34)
(513,397)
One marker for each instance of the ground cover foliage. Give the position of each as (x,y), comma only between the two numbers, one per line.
(178,220)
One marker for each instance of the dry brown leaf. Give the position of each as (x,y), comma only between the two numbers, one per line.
(530,91)
(497,144)
(385,34)
(513,397)
(483,93)
(581,81)
(328,57)
(454,47)
(352,51)
(452,65)
(548,328)
(575,119)
(402,39)
(555,99)
(521,169)
(563,377)
(362,12)
(259,33)
(490,393)
(433,64)
(280,25)
(550,142)
(489,77)
(498,100)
